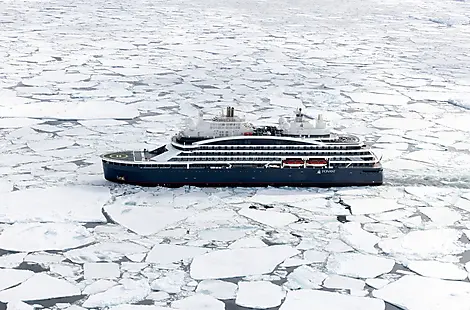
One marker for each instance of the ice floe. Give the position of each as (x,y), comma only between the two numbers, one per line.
(340,282)
(304,277)
(170,283)
(40,286)
(270,218)
(259,295)
(146,220)
(55,204)
(127,291)
(164,254)
(218,289)
(353,235)
(239,262)
(358,265)
(424,244)
(106,252)
(198,301)
(17,122)
(101,270)
(30,237)
(98,286)
(380,99)
(302,300)
(371,205)
(13,277)
(416,292)
(435,269)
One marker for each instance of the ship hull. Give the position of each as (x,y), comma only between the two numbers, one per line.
(242,177)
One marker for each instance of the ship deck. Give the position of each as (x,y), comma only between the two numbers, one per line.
(129,156)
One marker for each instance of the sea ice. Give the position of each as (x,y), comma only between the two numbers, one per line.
(30,237)
(101,270)
(105,251)
(380,99)
(259,295)
(402,123)
(138,307)
(361,206)
(248,242)
(11,260)
(353,235)
(305,277)
(40,286)
(270,218)
(435,269)
(13,277)
(170,283)
(218,289)
(424,244)
(358,265)
(224,233)
(315,256)
(17,122)
(127,291)
(340,282)
(239,262)
(302,300)
(198,301)
(377,283)
(441,216)
(169,253)
(19,305)
(415,292)
(98,286)
(146,221)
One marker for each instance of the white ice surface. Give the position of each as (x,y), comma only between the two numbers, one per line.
(259,295)
(55,204)
(171,253)
(248,242)
(12,277)
(19,305)
(170,283)
(358,265)
(415,292)
(101,270)
(198,301)
(138,307)
(270,218)
(218,289)
(12,260)
(106,251)
(127,291)
(31,237)
(146,220)
(435,269)
(341,282)
(377,283)
(40,286)
(302,300)
(239,262)
(417,245)
(305,277)
(98,286)
(371,205)
(353,235)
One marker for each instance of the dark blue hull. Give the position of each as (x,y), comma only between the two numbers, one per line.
(176,177)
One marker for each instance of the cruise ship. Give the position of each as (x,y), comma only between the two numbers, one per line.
(228,151)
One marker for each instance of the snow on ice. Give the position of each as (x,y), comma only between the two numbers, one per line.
(302,300)
(55,204)
(361,206)
(259,295)
(239,262)
(270,218)
(218,289)
(435,269)
(101,270)
(127,291)
(358,265)
(13,277)
(165,254)
(415,292)
(198,301)
(40,286)
(30,237)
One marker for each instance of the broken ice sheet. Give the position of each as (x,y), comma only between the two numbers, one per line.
(13,277)
(239,262)
(259,295)
(435,269)
(127,291)
(105,251)
(164,254)
(198,301)
(30,237)
(302,300)
(305,277)
(55,204)
(341,282)
(353,235)
(424,244)
(40,286)
(146,221)
(416,292)
(218,289)
(371,205)
(270,218)
(170,283)
(358,265)
(101,270)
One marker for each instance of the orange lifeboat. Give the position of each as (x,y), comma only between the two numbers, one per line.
(293,162)
(317,162)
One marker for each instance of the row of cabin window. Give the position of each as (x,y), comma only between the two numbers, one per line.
(276,153)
